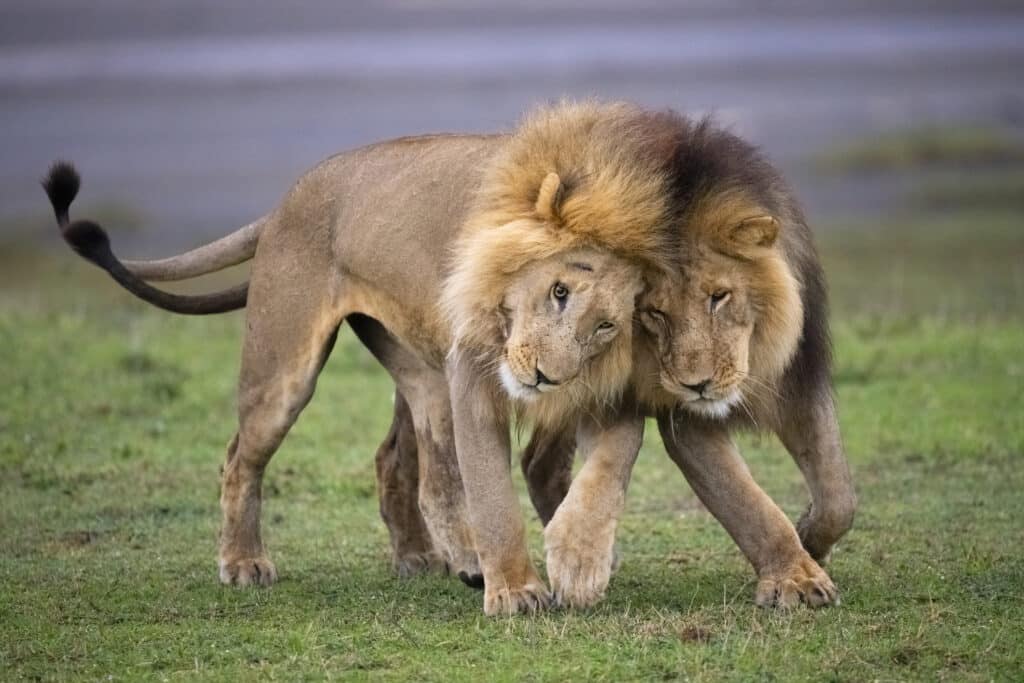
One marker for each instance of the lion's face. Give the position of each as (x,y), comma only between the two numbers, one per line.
(727,327)
(561,313)
(702,324)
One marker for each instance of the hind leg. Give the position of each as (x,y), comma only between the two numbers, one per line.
(285,348)
(441,495)
(398,480)
(547,467)
(810,431)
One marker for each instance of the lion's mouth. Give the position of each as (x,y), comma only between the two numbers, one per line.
(517,389)
(710,407)
(715,406)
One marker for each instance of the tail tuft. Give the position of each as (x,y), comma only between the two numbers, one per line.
(61,184)
(89,240)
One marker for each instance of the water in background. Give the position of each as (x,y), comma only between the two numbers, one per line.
(200,115)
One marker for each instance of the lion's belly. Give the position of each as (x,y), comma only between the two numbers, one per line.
(418,328)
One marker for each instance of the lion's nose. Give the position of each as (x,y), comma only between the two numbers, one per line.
(542,379)
(699,387)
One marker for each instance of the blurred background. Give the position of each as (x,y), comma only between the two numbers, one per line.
(189,118)
(901,126)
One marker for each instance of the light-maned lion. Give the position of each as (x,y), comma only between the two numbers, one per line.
(537,243)
(738,338)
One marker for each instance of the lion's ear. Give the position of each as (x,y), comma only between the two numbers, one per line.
(549,198)
(760,231)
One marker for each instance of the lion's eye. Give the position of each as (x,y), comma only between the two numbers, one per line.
(559,291)
(718,299)
(655,317)
(606,326)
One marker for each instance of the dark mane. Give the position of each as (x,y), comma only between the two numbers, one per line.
(703,159)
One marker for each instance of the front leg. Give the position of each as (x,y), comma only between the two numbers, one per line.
(580,539)
(709,460)
(511,583)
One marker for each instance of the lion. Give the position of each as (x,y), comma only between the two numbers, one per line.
(738,338)
(489,274)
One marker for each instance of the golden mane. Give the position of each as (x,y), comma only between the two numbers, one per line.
(773,285)
(612,195)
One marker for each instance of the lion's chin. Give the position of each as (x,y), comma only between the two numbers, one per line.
(514,388)
(715,408)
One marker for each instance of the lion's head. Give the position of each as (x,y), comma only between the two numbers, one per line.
(567,320)
(726,329)
(547,267)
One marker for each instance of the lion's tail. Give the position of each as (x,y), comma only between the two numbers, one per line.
(91,242)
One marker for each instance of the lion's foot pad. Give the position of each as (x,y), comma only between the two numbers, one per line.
(249,571)
(472,580)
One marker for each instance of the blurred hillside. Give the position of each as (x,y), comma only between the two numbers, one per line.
(195,117)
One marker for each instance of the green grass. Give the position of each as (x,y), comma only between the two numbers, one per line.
(918,148)
(114,419)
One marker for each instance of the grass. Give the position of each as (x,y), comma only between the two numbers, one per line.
(917,148)
(114,419)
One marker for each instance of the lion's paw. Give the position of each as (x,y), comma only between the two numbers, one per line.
(804,581)
(248,571)
(413,564)
(579,565)
(530,598)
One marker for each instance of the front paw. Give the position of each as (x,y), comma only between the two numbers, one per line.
(247,571)
(579,564)
(802,581)
(526,598)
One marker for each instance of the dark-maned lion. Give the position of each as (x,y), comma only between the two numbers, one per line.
(738,338)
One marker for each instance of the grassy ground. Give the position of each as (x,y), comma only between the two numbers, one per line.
(114,418)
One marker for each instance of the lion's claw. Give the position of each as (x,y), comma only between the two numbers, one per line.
(248,571)
(528,599)
(803,582)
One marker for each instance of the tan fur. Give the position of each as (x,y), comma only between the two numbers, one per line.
(763,354)
(572,176)
(729,245)
(442,253)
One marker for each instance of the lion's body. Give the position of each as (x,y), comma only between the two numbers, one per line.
(381,221)
(366,237)
(371,236)
(446,254)
(745,322)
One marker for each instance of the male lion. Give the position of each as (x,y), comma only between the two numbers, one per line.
(738,338)
(538,244)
